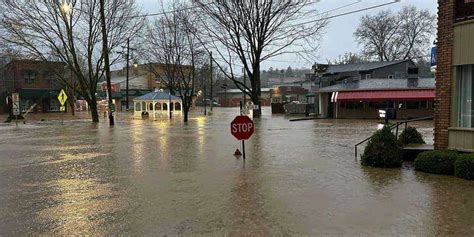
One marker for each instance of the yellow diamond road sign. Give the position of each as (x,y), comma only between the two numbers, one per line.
(62,97)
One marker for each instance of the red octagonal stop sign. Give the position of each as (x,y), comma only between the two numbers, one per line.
(242,127)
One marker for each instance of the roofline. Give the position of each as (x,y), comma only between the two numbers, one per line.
(33,61)
(381,89)
(394,63)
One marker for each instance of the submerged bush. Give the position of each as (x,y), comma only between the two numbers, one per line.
(411,136)
(382,150)
(464,167)
(436,162)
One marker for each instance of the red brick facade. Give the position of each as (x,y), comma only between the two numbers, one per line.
(444,73)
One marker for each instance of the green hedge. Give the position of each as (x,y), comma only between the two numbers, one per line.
(436,162)
(464,167)
(382,150)
(411,136)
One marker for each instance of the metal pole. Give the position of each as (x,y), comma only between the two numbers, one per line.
(128,66)
(211,82)
(243,141)
(16,120)
(204,99)
(169,106)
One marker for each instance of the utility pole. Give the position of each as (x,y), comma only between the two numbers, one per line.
(128,67)
(127,87)
(105,52)
(211,82)
(245,84)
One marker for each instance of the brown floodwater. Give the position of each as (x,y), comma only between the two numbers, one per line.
(146,177)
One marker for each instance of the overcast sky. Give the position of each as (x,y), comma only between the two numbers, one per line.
(338,37)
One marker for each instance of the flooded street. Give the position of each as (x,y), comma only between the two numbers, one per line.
(147,177)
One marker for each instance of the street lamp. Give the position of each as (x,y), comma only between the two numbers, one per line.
(66,8)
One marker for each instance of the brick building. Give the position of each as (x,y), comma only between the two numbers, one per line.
(36,81)
(454,110)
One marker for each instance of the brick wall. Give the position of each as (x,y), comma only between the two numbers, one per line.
(444,72)
(45,77)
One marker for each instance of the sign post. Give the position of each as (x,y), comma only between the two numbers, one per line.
(16,106)
(242,128)
(62,97)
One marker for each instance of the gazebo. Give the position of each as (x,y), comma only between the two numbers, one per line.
(157,104)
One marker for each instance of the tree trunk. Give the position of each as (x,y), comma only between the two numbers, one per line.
(93,106)
(185,114)
(71,103)
(256,91)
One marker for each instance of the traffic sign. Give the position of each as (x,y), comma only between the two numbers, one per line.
(16,97)
(62,108)
(16,103)
(242,127)
(62,97)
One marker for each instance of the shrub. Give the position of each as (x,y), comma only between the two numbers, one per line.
(382,150)
(436,162)
(464,167)
(411,135)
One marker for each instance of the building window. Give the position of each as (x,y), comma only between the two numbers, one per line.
(465,95)
(354,105)
(30,76)
(464,10)
(49,78)
(390,76)
(413,104)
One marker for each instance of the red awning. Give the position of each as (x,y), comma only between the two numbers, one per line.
(400,95)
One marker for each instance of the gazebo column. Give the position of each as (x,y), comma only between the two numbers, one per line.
(154,112)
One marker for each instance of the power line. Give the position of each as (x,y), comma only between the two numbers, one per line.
(348,13)
(171,11)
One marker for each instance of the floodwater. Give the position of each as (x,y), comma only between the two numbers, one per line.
(147,177)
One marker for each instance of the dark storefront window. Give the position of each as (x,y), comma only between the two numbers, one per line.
(352,105)
(413,104)
(381,104)
(464,10)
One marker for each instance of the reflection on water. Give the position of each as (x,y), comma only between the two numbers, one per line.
(147,177)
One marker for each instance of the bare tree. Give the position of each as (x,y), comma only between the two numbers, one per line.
(389,36)
(245,33)
(348,58)
(70,32)
(174,45)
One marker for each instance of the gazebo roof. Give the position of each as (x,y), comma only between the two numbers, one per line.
(157,95)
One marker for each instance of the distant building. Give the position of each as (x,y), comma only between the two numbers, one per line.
(36,81)
(283,94)
(274,81)
(454,112)
(232,97)
(411,98)
(328,75)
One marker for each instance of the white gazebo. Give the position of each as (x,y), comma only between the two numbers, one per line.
(157,104)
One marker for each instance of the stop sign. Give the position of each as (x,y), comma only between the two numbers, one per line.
(242,127)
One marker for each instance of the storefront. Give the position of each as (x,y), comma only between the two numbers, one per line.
(410,98)
(43,100)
